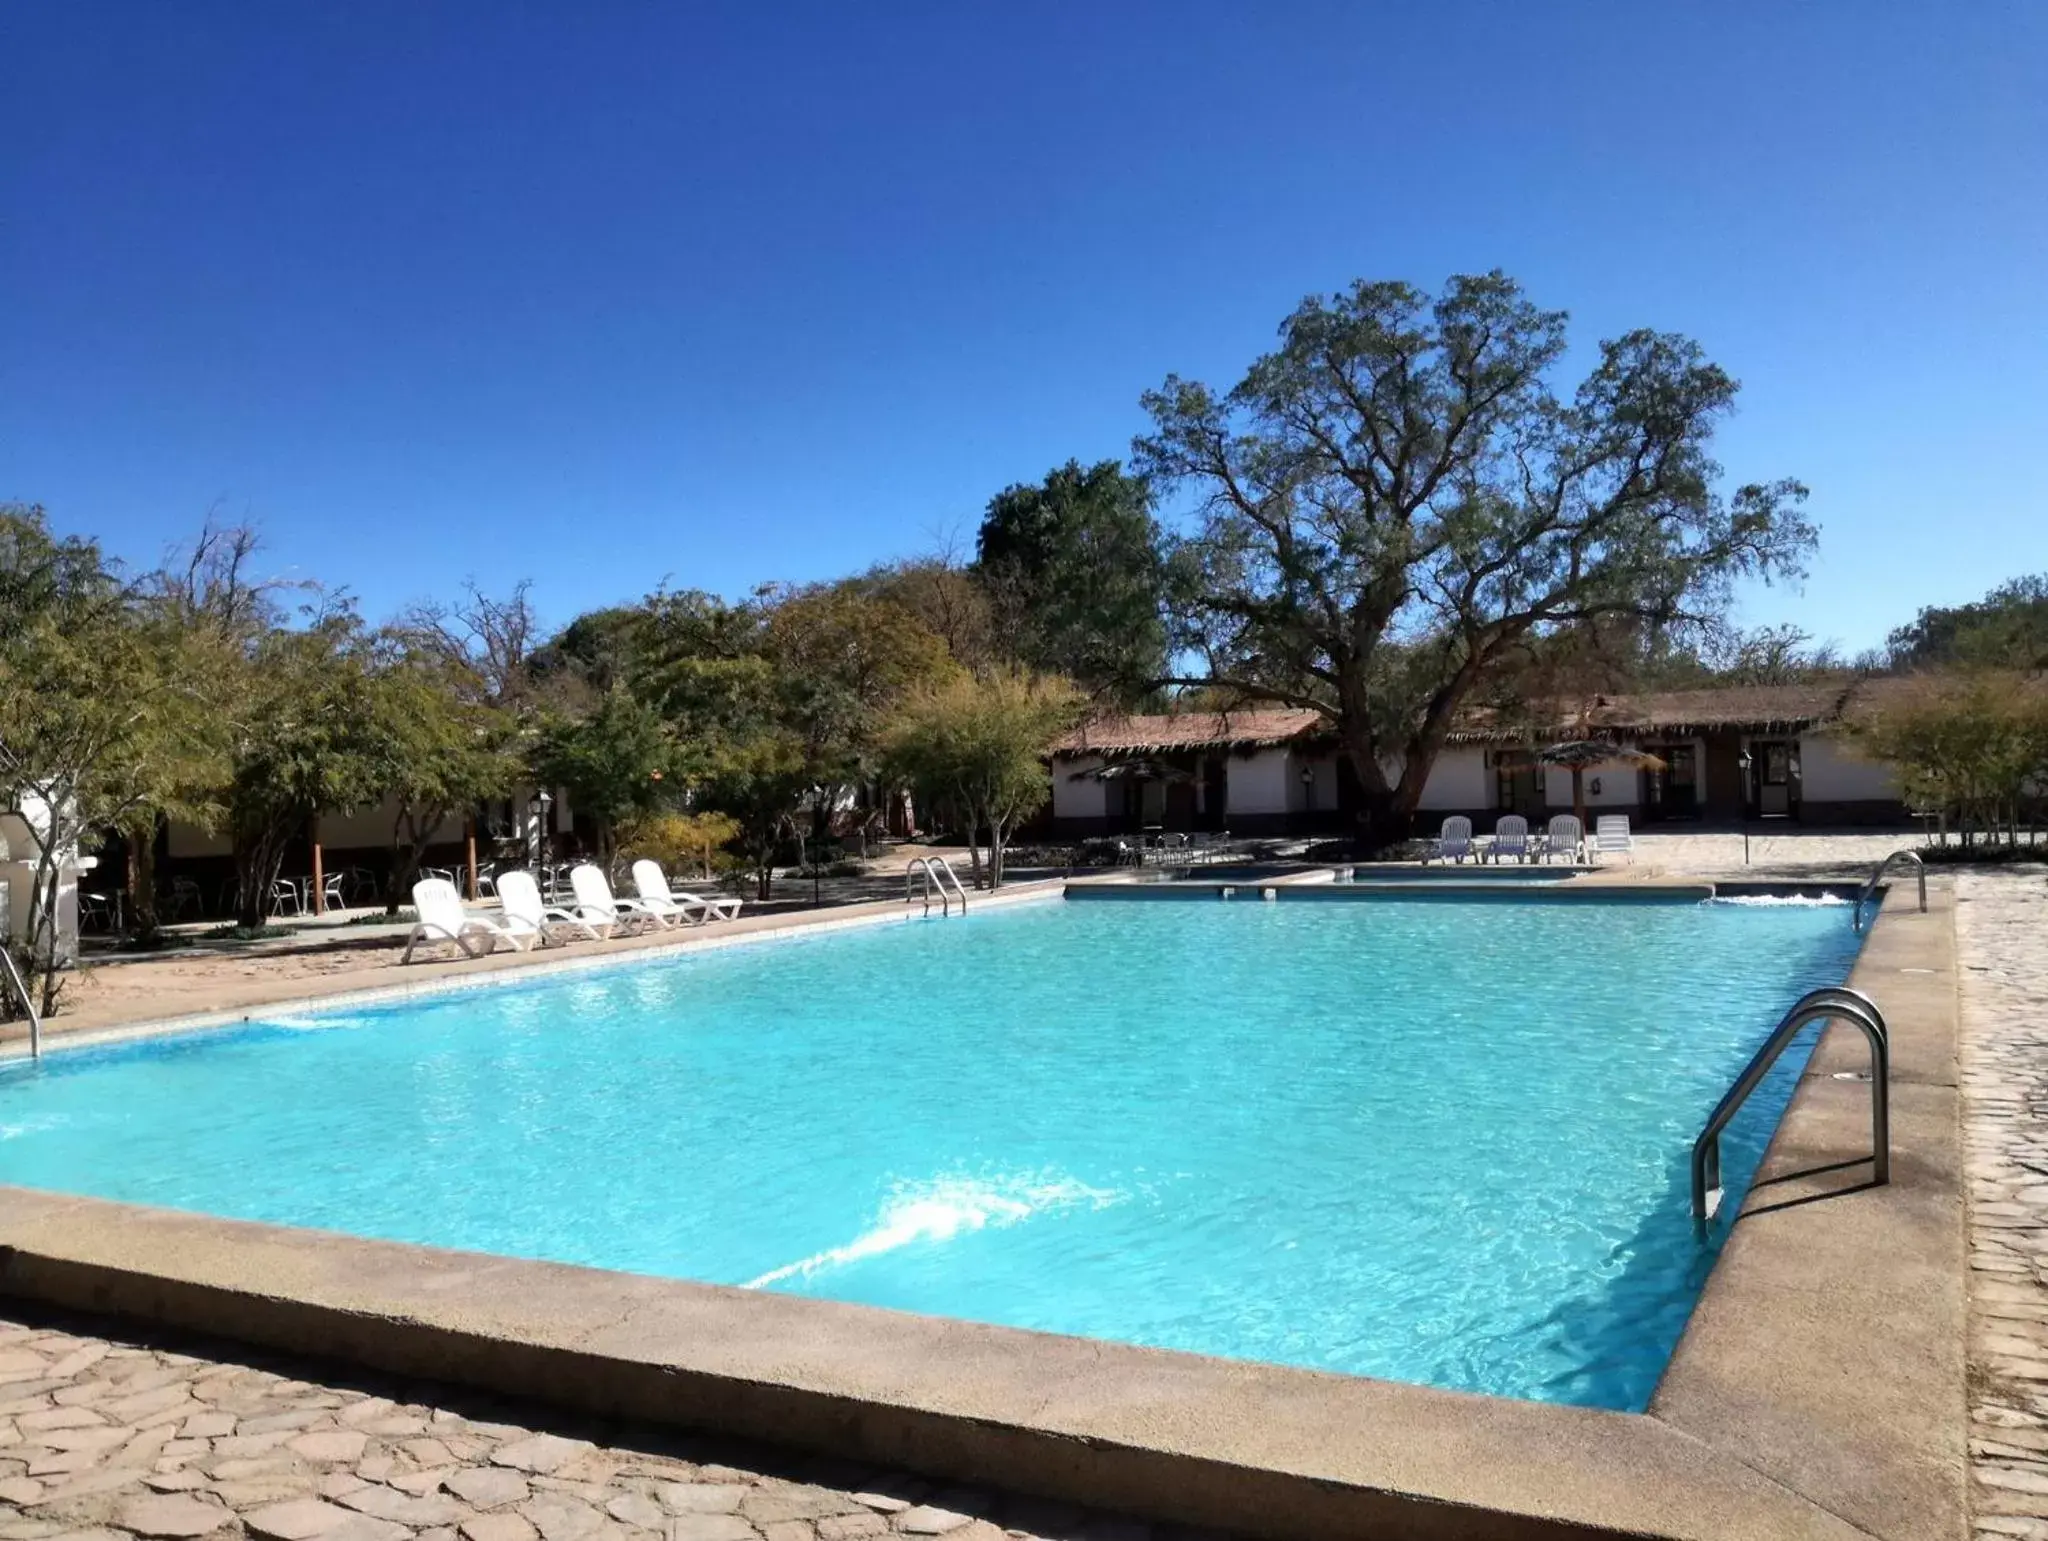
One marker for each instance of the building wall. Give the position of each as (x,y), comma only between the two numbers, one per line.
(1831,774)
(1618,786)
(1460,781)
(1077,794)
(1263,783)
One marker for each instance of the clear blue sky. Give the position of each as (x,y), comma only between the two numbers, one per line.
(603,294)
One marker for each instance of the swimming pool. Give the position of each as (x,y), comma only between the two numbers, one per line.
(1440,1141)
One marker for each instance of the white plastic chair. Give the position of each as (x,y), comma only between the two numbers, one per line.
(652,886)
(1566,835)
(527,914)
(1611,836)
(1453,842)
(1511,838)
(595,904)
(441,918)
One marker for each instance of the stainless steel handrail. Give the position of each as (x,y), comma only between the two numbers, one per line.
(35,1020)
(1815,1006)
(1877,876)
(937,873)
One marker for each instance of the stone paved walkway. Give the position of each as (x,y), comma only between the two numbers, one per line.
(103,1439)
(2002,947)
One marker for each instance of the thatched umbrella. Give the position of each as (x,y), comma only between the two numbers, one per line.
(1579,753)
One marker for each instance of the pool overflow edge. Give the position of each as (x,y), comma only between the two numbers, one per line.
(1733,1443)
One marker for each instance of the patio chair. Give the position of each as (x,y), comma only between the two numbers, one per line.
(1564,838)
(1511,838)
(650,883)
(1453,842)
(284,893)
(527,914)
(596,904)
(1611,837)
(441,918)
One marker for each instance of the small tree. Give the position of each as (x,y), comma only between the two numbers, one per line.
(1969,744)
(106,715)
(979,747)
(617,762)
(442,751)
(309,740)
(762,783)
(677,840)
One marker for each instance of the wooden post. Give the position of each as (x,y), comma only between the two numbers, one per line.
(319,878)
(469,845)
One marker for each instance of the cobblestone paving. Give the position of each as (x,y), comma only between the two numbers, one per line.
(2002,947)
(103,1440)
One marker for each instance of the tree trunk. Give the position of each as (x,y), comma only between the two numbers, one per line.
(409,852)
(44,928)
(142,921)
(257,861)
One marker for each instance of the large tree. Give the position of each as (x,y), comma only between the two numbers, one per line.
(1396,501)
(1071,565)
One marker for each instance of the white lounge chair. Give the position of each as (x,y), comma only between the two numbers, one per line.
(441,918)
(1611,837)
(1453,842)
(596,906)
(1511,838)
(527,914)
(1564,838)
(651,884)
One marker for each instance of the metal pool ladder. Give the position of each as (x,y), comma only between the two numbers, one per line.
(937,873)
(35,1021)
(1877,876)
(1815,1006)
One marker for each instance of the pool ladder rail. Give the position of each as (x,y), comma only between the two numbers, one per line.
(939,878)
(1877,876)
(35,1021)
(1833,1002)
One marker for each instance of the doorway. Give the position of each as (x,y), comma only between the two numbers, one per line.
(1518,788)
(1674,791)
(1773,781)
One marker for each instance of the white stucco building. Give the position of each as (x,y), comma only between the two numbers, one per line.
(1756,751)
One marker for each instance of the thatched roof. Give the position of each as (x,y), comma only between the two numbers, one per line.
(1763,708)
(1151,734)
(1760,708)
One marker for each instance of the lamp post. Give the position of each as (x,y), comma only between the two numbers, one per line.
(544,800)
(1744,761)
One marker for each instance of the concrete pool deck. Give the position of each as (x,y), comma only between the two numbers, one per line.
(1818,1392)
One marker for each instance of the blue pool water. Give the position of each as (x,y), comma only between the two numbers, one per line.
(1441,1140)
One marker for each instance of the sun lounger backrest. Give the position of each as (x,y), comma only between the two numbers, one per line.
(437,903)
(1565,833)
(648,882)
(593,892)
(520,895)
